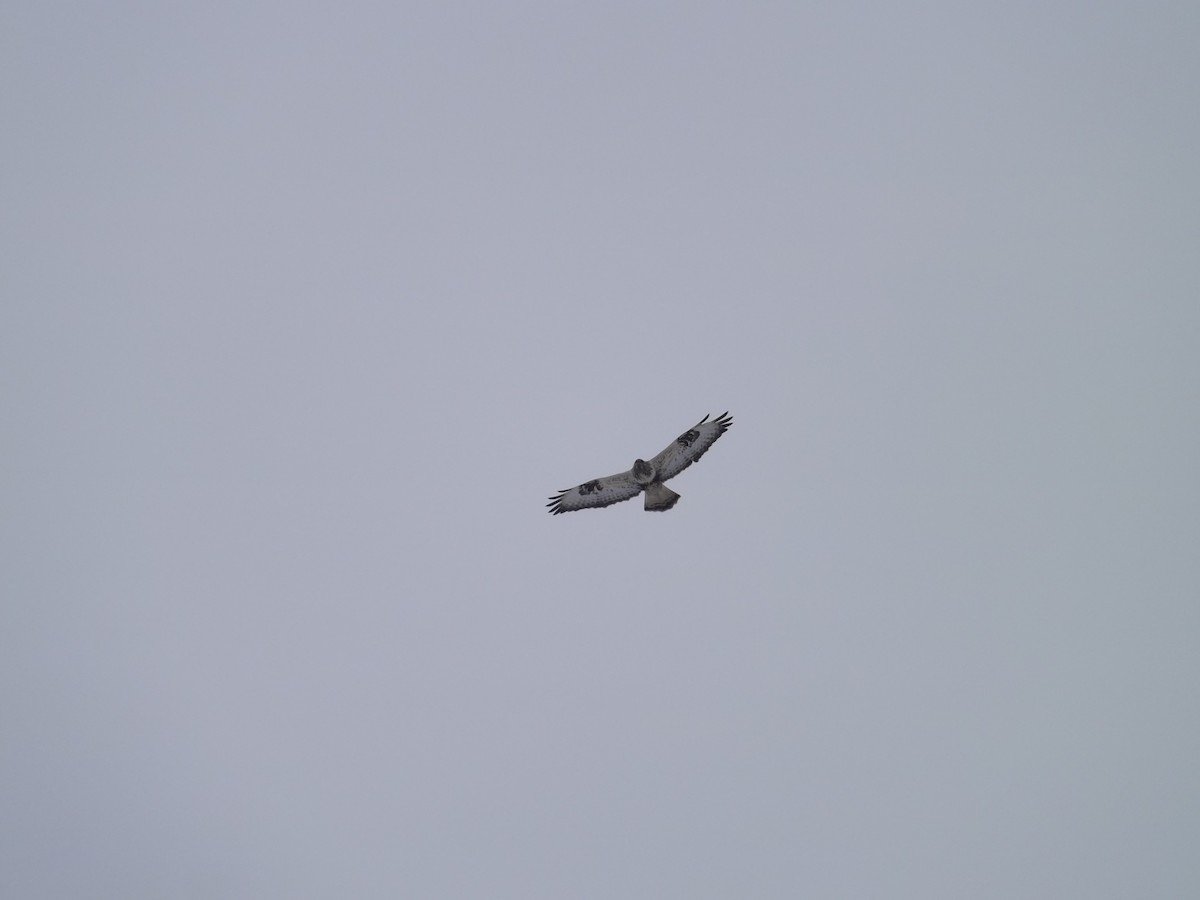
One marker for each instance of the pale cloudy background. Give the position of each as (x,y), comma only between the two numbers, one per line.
(308,308)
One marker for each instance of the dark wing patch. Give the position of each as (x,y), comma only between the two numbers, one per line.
(595,493)
(690,446)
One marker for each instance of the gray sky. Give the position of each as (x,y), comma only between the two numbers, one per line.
(308,309)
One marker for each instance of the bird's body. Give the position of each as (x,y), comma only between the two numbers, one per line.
(645,475)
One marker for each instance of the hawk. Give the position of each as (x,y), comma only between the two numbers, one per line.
(646,476)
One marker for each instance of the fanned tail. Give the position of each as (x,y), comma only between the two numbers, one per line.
(659,497)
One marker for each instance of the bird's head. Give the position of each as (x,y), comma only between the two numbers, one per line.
(643,472)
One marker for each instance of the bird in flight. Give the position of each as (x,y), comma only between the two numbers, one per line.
(646,476)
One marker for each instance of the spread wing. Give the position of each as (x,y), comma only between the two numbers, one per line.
(690,446)
(597,492)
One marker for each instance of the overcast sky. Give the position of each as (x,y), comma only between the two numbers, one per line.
(306,310)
